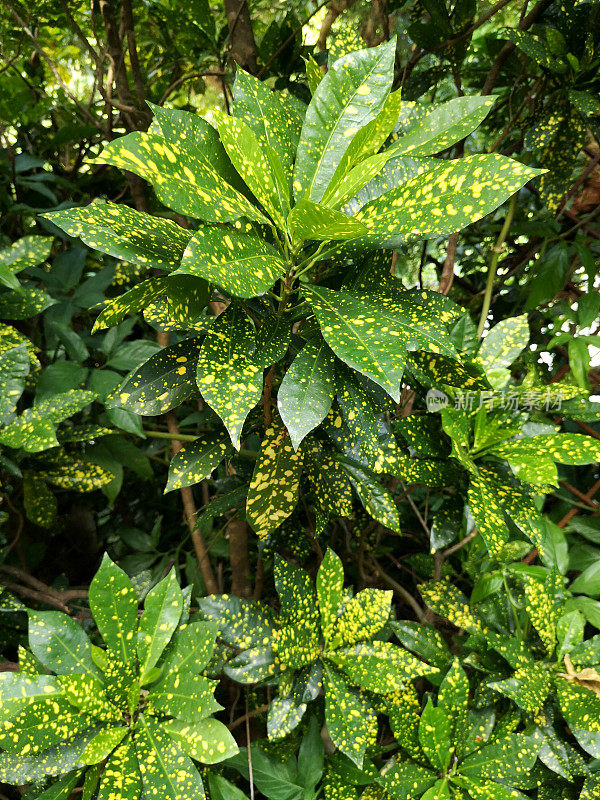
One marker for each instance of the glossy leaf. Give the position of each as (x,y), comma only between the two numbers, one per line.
(272,494)
(309,220)
(241,262)
(162,611)
(228,377)
(351,94)
(122,232)
(197,460)
(113,602)
(182,181)
(161,382)
(444,199)
(307,390)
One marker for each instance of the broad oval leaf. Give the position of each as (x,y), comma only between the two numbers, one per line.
(241,262)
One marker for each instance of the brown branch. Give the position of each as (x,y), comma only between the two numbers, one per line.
(242,45)
(237,532)
(525,23)
(447,275)
(254,713)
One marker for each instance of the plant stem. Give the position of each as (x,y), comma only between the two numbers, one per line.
(497,249)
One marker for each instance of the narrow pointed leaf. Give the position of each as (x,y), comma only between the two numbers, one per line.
(60,643)
(309,220)
(182,181)
(351,94)
(122,232)
(162,612)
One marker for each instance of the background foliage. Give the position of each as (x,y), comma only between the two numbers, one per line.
(221,384)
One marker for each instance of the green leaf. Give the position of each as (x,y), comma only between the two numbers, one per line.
(113,602)
(297,596)
(307,390)
(443,125)
(362,618)
(162,611)
(379,667)
(132,301)
(102,745)
(122,232)
(405,780)
(228,377)
(453,698)
(27,302)
(580,706)
(40,503)
(376,499)
(423,640)
(273,490)
(222,789)
(444,199)
(239,261)
(506,760)
(502,345)
(373,338)
(191,648)
(182,180)
(62,788)
(434,736)
(450,603)
(208,741)
(242,623)
(566,448)
(41,724)
(528,687)
(330,590)
(258,169)
(274,779)
(361,161)
(197,460)
(14,368)
(311,755)
(26,252)
(487,512)
(309,220)
(359,336)
(349,717)
(284,716)
(351,94)
(190,697)
(162,382)
(261,110)
(121,778)
(166,771)
(60,643)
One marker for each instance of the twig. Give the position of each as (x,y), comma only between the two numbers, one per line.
(398,588)
(249,715)
(497,249)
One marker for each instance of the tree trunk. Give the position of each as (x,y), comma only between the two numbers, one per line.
(242,46)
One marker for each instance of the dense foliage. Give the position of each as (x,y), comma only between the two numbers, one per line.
(314,339)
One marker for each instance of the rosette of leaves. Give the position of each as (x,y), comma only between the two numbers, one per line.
(528,640)
(130,718)
(324,641)
(294,215)
(454,750)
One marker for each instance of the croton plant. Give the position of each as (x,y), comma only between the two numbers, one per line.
(270,270)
